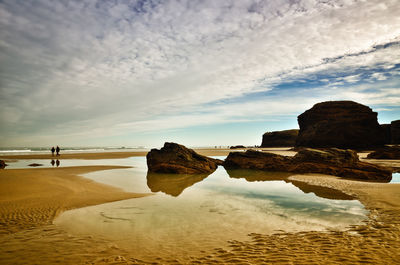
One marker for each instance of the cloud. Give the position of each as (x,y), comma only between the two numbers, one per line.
(98,68)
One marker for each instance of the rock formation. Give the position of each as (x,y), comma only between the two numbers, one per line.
(386,153)
(285,138)
(342,124)
(2,164)
(395,132)
(337,162)
(172,184)
(387,135)
(177,159)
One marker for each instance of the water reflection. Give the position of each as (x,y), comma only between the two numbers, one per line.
(258,175)
(172,184)
(201,211)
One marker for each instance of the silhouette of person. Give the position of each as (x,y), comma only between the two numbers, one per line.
(52,151)
(57,151)
(58,163)
(52,162)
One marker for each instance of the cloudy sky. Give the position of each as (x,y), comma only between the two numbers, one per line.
(201,73)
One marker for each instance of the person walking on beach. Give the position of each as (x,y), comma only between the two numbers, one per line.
(57,151)
(52,151)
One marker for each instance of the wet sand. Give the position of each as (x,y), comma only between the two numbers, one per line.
(27,239)
(33,197)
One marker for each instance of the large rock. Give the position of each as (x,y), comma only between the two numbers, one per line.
(177,159)
(2,164)
(337,162)
(395,132)
(386,153)
(387,134)
(285,138)
(342,124)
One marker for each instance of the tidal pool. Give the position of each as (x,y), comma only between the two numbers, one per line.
(190,214)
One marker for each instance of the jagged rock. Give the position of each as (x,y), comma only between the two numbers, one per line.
(2,164)
(341,163)
(285,138)
(395,131)
(386,153)
(342,124)
(172,184)
(177,159)
(35,165)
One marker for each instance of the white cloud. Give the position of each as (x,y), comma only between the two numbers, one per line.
(100,65)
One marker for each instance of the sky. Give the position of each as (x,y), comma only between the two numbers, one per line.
(200,73)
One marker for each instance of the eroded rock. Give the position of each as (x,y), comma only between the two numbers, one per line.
(177,159)
(286,138)
(342,124)
(386,153)
(337,162)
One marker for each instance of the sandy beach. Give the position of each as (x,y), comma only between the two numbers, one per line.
(31,198)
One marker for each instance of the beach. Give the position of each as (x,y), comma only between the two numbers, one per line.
(31,198)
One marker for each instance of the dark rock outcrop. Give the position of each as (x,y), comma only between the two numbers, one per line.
(177,159)
(337,162)
(387,134)
(395,132)
(2,164)
(342,124)
(386,153)
(172,184)
(286,138)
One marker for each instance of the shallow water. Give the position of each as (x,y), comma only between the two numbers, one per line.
(190,214)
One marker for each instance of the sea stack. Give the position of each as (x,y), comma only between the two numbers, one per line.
(286,138)
(341,124)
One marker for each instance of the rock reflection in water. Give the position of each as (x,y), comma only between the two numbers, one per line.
(172,184)
(258,175)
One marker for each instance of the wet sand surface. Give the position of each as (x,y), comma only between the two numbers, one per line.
(27,239)
(34,197)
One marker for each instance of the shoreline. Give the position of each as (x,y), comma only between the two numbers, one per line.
(116,155)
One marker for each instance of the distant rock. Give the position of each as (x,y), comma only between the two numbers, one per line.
(395,132)
(386,153)
(332,161)
(237,147)
(177,159)
(286,138)
(35,165)
(342,124)
(172,184)
(2,164)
